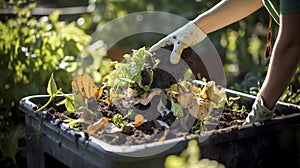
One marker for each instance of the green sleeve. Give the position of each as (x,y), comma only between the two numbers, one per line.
(273,8)
(289,6)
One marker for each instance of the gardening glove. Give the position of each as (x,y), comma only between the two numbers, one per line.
(259,112)
(186,36)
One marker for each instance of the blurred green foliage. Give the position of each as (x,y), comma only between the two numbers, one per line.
(191,158)
(107,10)
(240,45)
(31,49)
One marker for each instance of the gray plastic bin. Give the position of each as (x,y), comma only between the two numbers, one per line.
(272,144)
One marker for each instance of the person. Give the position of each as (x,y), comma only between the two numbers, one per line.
(284,58)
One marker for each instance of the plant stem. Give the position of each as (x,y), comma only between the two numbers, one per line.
(45,105)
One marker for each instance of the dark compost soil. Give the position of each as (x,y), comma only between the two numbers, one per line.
(150,131)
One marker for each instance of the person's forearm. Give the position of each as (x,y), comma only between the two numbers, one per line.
(225,13)
(284,60)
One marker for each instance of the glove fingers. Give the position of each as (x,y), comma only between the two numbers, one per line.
(250,118)
(176,53)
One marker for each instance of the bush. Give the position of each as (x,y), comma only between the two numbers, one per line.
(31,49)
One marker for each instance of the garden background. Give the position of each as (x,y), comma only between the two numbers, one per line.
(41,37)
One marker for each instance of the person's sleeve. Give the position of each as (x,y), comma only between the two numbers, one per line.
(289,6)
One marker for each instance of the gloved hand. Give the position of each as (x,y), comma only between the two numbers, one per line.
(259,111)
(186,36)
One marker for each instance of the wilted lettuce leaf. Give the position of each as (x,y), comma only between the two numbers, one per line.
(129,73)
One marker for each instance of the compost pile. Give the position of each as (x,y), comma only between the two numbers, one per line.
(140,103)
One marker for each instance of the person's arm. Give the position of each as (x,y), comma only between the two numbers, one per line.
(284,59)
(225,13)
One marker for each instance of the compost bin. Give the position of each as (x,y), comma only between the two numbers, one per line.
(274,143)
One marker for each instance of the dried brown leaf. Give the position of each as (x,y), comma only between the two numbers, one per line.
(107,101)
(91,129)
(84,85)
(164,137)
(98,92)
(202,110)
(139,120)
(185,97)
(211,92)
(200,102)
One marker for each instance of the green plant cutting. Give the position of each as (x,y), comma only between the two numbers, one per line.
(53,92)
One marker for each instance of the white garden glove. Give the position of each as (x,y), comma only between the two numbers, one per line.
(186,36)
(259,112)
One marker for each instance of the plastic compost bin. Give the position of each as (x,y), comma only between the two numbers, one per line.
(274,143)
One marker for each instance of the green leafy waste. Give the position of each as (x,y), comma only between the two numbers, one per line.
(53,92)
(119,121)
(129,74)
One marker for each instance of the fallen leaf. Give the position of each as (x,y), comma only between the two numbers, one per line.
(164,137)
(130,93)
(139,120)
(199,103)
(201,110)
(107,101)
(195,88)
(84,85)
(98,92)
(91,129)
(185,97)
(211,92)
